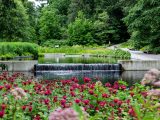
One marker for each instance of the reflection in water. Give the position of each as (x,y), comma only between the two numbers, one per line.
(130,77)
(103,76)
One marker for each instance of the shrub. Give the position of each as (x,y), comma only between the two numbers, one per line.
(86,50)
(11,49)
(23,98)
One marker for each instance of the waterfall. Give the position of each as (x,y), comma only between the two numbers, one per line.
(77,67)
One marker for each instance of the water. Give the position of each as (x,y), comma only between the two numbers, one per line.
(77,67)
(105,69)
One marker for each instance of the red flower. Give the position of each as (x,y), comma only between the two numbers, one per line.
(86,79)
(8,86)
(119,110)
(37,117)
(91,92)
(122,87)
(144,94)
(72,94)
(48,92)
(116,85)
(77,101)
(104,95)
(64,97)
(108,84)
(1,87)
(132,94)
(116,100)
(55,99)
(102,103)
(86,102)
(46,101)
(1,114)
(24,107)
(30,108)
(132,112)
(119,102)
(62,102)
(3,106)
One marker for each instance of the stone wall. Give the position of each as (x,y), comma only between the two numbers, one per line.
(20,66)
(139,64)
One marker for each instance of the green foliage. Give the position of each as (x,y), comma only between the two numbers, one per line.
(49,24)
(143,23)
(53,43)
(86,50)
(79,32)
(13,49)
(14,21)
(101,29)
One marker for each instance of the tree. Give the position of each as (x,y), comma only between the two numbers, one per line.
(143,23)
(101,29)
(49,24)
(80,31)
(14,24)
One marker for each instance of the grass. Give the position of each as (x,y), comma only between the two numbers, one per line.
(85,50)
(10,50)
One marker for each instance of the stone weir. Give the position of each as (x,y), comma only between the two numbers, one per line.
(77,67)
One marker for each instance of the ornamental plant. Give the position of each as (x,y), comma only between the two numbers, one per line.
(25,98)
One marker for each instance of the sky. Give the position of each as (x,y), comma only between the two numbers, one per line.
(37,3)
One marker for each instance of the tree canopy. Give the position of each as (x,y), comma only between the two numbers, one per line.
(84,22)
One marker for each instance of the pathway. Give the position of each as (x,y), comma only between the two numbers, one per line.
(138,55)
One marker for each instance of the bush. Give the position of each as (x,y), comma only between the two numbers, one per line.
(122,54)
(12,49)
(53,42)
(86,50)
(36,100)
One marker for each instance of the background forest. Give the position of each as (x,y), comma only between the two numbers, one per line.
(82,22)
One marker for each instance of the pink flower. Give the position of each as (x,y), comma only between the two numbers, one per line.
(66,114)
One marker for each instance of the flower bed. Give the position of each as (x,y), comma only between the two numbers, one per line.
(28,99)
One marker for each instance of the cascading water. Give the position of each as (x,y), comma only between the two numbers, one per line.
(77,67)
(103,72)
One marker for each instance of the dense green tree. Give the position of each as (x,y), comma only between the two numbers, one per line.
(80,31)
(49,24)
(143,23)
(101,29)
(14,24)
